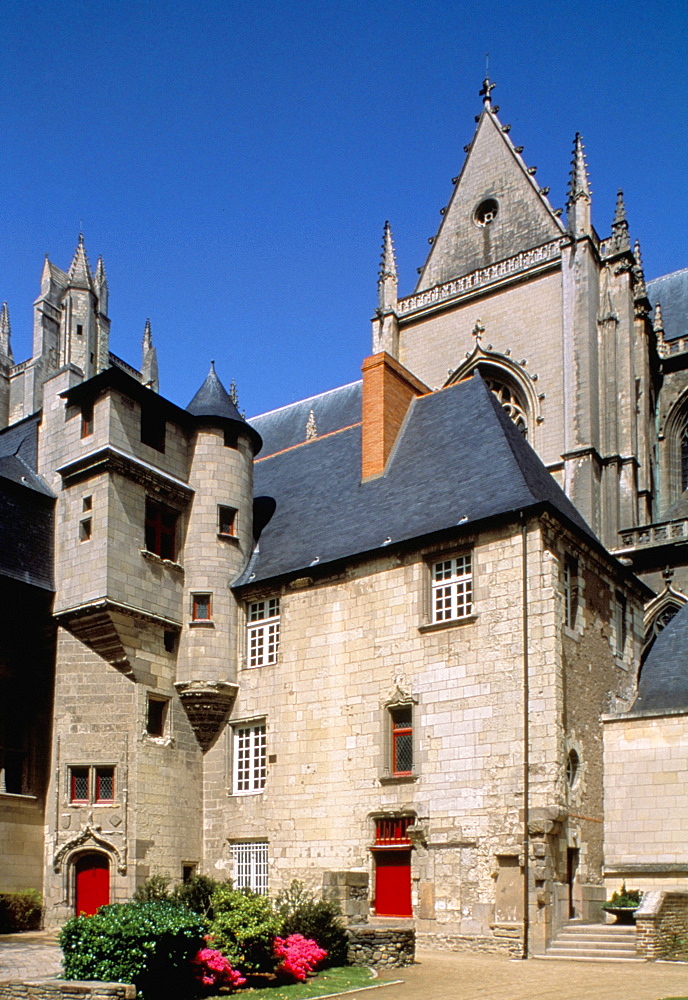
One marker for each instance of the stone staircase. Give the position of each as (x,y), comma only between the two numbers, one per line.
(594,942)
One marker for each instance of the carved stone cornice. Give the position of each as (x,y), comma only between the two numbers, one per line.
(207,705)
(109,459)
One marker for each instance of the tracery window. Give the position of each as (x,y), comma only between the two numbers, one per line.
(684,458)
(509,400)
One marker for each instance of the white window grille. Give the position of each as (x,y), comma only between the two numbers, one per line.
(251,866)
(250,760)
(452,589)
(263,632)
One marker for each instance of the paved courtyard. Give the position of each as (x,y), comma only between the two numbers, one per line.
(441,975)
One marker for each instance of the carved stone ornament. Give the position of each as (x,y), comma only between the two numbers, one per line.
(87,836)
(207,705)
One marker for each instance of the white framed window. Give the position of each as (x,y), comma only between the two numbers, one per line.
(250,759)
(250,859)
(452,588)
(263,628)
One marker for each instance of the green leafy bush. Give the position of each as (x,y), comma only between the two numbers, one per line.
(148,944)
(624,897)
(319,920)
(20,911)
(156,889)
(243,927)
(197,894)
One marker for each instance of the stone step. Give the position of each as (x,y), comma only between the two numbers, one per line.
(613,940)
(594,943)
(577,957)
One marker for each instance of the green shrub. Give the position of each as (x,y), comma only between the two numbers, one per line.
(148,944)
(20,911)
(197,894)
(243,927)
(625,897)
(317,919)
(156,889)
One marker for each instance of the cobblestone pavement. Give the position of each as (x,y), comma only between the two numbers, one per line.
(440,975)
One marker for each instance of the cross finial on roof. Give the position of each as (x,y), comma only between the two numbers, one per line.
(311,428)
(486,91)
(478,331)
(668,575)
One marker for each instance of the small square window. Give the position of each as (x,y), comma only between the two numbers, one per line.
(188,870)
(87,503)
(85,529)
(79,790)
(226,520)
(231,438)
(79,330)
(169,639)
(105,784)
(153,428)
(86,420)
(157,716)
(200,607)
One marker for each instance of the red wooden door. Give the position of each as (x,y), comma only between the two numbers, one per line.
(393,883)
(92,883)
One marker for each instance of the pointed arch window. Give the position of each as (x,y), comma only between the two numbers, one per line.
(510,400)
(684,458)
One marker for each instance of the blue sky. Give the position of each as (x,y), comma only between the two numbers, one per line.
(235,161)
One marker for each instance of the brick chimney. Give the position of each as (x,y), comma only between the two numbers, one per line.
(388,389)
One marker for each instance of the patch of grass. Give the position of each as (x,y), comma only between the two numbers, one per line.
(335,980)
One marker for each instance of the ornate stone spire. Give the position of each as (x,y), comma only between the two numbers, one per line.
(579,186)
(101,284)
(578,204)
(5,343)
(387,280)
(640,300)
(658,327)
(149,368)
(79,270)
(620,240)
(311,428)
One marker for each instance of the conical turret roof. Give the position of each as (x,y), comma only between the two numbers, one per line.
(212,403)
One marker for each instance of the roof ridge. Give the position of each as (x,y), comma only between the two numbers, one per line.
(306,399)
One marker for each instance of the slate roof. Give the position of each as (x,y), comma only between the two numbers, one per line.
(671,291)
(212,401)
(458,460)
(26,509)
(663,684)
(332,411)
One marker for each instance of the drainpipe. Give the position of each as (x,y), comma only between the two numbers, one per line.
(526,738)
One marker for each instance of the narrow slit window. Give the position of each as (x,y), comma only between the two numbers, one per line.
(402,739)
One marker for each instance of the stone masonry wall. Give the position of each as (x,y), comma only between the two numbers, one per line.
(661,919)
(56,990)
(381,948)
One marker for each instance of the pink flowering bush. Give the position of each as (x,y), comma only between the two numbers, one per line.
(299,955)
(211,968)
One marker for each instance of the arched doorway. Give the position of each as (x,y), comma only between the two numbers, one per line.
(91,882)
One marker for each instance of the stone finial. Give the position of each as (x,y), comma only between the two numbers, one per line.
(233,394)
(100,277)
(149,368)
(486,92)
(478,331)
(387,280)
(5,343)
(79,270)
(658,322)
(620,239)
(639,289)
(579,186)
(311,429)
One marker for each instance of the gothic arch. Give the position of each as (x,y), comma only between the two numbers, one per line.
(673,452)
(509,382)
(658,613)
(88,839)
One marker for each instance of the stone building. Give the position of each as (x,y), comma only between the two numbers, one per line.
(367,640)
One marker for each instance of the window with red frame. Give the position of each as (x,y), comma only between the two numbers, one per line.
(402,739)
(161,529)
(91,785)
(86,420)
(200,611)
(392,830)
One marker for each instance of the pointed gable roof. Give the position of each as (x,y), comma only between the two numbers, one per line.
(213,404)
(458,462)
(493,172)
(79,270)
